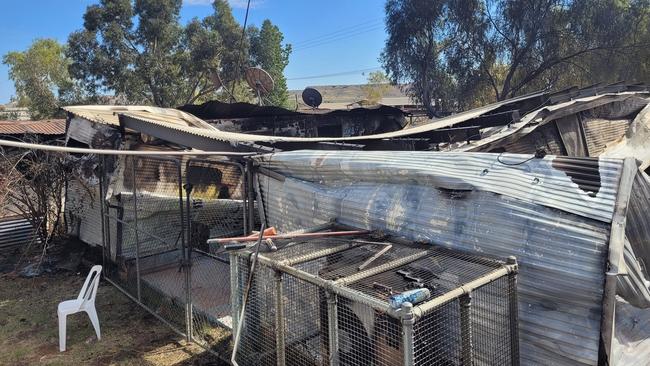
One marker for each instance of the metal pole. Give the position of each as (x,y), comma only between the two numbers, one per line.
(279,320)
(101,212)
(137,238)
(185,251)
(190,309)
(250,190)
(466,329)
(407,334)
(514,315)
(333,328)
(253,265)
(234,290)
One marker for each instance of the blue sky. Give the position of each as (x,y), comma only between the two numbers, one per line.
(341,39)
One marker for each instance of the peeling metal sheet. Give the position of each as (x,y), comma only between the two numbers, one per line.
(585,187)
(636,142)
(600,132)
(542,116)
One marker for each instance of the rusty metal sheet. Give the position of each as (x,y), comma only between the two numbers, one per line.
(42,127)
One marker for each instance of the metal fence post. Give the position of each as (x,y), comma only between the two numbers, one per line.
(188,262)
(408,320)
(333,328)
(235,299)
(250,193)
(466,329)
(135,222)
(279,319)
(514,315)
(184,253)
(101,211)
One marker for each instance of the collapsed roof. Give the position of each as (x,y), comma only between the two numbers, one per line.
(569,122)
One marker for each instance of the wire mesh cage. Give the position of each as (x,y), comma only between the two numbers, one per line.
(340,301)
(157,214)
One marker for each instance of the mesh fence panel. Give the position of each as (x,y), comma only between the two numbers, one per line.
(216,210)
(157,215)
(144,225)
(257,343)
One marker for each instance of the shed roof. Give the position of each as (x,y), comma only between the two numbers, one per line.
(41,127)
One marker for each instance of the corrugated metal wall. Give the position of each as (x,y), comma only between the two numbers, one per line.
(16,231)
(600,132)
(562,254)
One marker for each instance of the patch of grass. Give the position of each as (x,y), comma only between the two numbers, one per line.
(130,336)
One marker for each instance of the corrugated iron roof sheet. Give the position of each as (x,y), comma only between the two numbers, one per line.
(42,127)
(585,187)
(108,115)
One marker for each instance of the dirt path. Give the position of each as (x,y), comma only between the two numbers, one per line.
(130,336)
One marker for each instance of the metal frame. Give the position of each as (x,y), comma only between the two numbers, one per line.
(183,240)
(188,187)
(408,314)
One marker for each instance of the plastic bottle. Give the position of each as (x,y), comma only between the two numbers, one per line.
(413,296)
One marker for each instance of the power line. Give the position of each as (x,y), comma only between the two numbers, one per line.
(335,74)
(241,51)
(338,38)
(372,22)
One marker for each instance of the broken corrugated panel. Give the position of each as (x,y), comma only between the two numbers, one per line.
(599,132)
(545,137)
(15,231)
(83,211)
(585,186)
(562,254)
(638,218)
(544,115)
(636,142)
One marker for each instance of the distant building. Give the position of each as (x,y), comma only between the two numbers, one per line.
(11,111)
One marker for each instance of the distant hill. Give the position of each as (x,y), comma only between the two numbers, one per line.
(344,93)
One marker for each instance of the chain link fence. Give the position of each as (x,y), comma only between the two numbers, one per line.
(153,215)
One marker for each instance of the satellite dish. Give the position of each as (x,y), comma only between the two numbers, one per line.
(260,81)
(312,97)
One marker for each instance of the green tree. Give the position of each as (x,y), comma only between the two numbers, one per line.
(512,47)
(413,52)
(268,52)
(233,50)
(377,86)
(139,50)
(40,75)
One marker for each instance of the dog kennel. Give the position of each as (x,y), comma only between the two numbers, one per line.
(326,301)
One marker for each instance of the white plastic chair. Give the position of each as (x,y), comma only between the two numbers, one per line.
(84,302)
